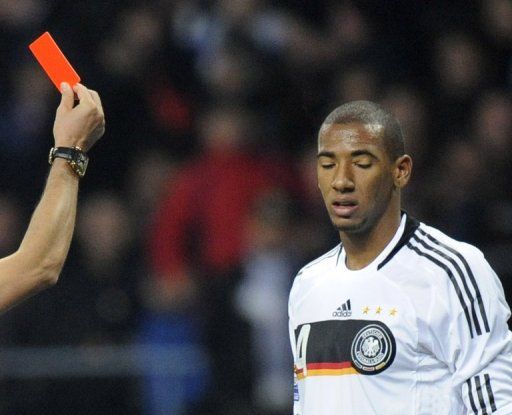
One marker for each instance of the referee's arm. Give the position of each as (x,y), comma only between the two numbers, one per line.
(39,259)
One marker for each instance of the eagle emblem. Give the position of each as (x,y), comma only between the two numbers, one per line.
(373,349)
(370,347)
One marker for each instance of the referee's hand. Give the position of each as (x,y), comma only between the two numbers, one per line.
(82,124)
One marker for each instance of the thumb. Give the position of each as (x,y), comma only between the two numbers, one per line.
(67,100)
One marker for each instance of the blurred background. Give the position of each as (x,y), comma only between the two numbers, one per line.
(200,203)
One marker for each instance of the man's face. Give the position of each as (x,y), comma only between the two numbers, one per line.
(355,175)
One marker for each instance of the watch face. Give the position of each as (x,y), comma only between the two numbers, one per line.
(81,162)
(76,158)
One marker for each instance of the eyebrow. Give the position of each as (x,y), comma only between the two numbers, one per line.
(355,153)
(329,154)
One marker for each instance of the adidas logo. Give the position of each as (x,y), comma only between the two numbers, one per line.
(344,311)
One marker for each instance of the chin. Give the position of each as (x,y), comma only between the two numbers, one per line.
(349,225)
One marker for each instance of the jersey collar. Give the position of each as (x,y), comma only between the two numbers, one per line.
(411,225)
(408,226)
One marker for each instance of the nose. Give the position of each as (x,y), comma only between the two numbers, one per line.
(343,180)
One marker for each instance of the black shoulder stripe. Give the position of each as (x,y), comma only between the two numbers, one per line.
(479,390)
(470,394)
(445,268)
(411,225)
(489,392)
(478,387)
(469,273)
(462,277)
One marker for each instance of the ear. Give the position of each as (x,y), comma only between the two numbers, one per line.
(402,171)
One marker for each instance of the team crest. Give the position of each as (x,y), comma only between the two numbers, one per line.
(373,349)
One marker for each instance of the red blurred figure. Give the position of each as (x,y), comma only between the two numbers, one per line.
(197,238)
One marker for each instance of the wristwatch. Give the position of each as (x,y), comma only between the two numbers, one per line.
(76,158)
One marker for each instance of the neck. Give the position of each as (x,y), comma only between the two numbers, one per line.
(362,248)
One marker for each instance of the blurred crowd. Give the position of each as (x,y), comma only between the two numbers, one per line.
(200,203)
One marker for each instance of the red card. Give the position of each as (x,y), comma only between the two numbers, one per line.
(53,61)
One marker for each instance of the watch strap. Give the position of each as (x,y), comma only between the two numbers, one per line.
(76,158)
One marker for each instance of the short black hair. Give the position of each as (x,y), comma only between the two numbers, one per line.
(368,113)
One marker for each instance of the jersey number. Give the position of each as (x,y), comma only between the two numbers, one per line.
(302,346)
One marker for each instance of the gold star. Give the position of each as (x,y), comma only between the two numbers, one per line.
(365,310)
(393,311)
(379,309)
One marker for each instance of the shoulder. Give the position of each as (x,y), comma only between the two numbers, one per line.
(430,243)
(326,260)
(459,264)
(425,249)
(310,273)
(460,270)
(318,265)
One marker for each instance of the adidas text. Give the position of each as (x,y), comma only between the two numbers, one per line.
(342,313)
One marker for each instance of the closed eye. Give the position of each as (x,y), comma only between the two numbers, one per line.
(327,166)
(363,165)
(363,161)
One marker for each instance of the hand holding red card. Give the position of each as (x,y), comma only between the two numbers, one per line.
(53,61)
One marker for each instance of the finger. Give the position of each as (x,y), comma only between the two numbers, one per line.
(67,98)
(97,100)
(83,93)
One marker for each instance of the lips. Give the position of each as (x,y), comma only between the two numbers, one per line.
(344,207)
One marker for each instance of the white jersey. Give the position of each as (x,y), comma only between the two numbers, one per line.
(420,330)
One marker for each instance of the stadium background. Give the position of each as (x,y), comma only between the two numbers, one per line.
(99,342)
